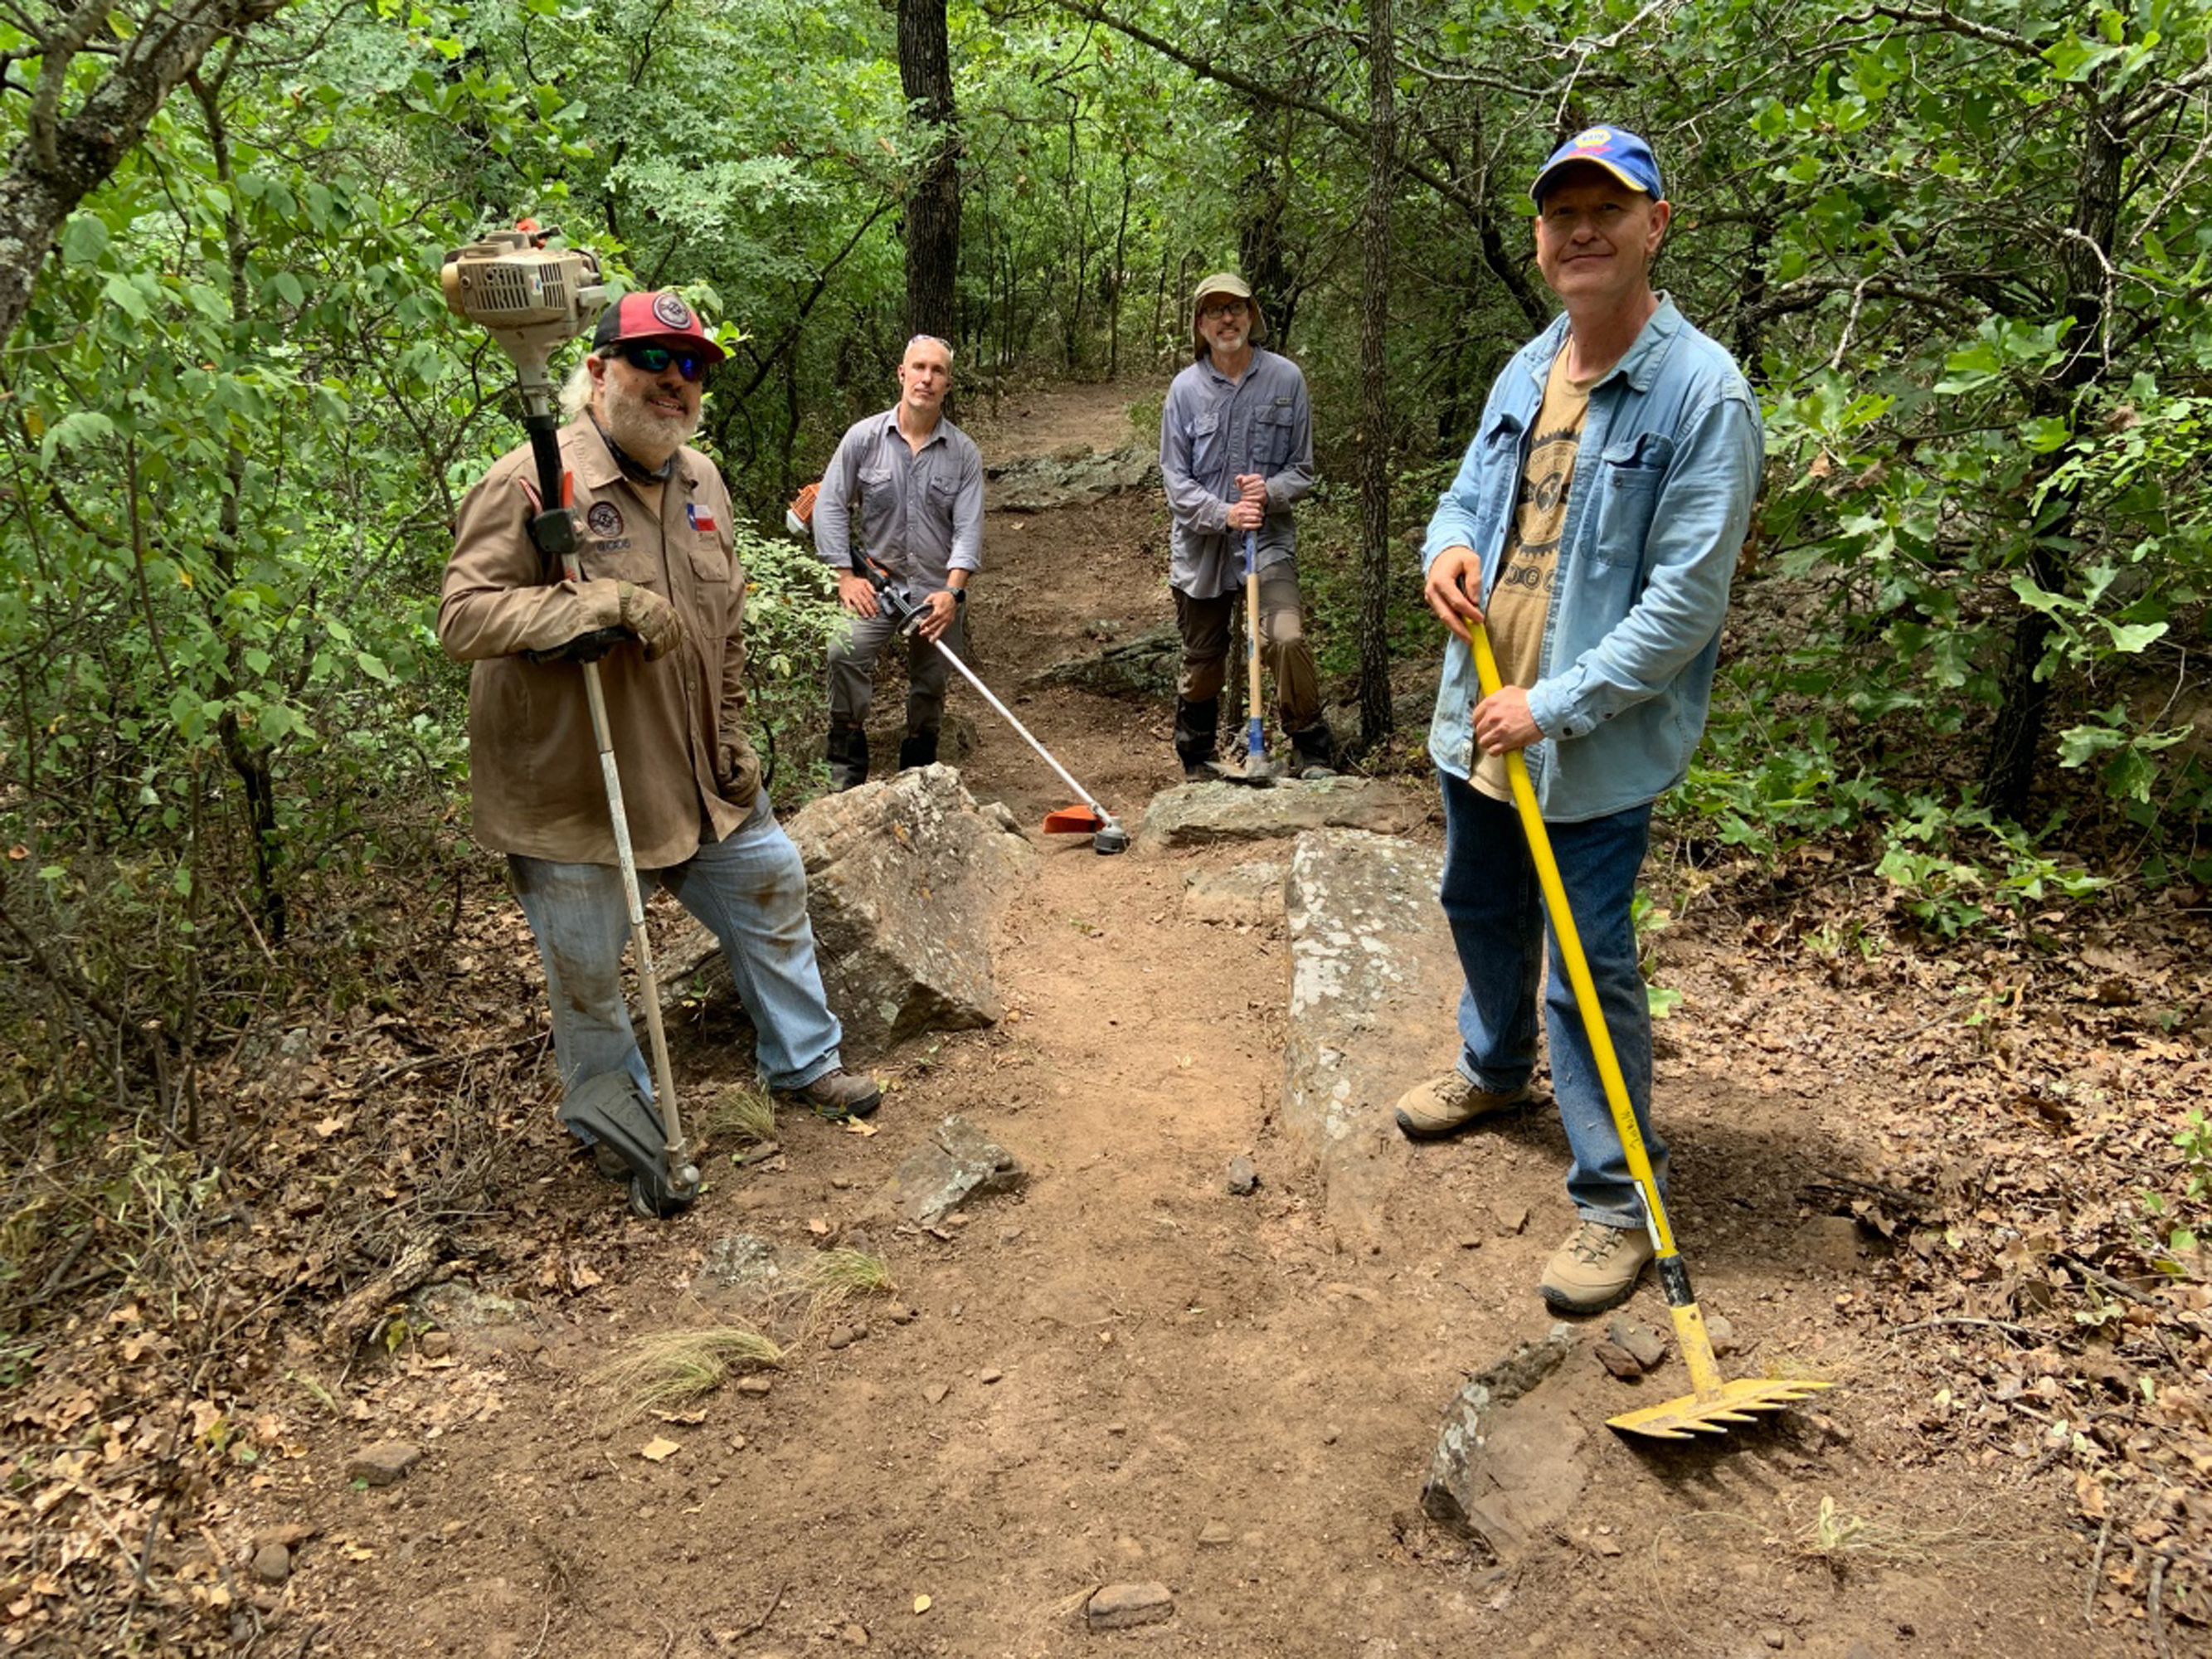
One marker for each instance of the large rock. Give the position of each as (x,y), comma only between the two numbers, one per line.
(905,877)
(1510,1461)
(1146,666)
(1071,477)
(1374,982)
(1205,814)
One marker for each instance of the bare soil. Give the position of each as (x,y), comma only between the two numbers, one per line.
(1127,1373)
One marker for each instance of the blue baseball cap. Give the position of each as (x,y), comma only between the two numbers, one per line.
(1620,153)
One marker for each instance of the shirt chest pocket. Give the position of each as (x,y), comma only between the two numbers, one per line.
(1205,437)
(710,560)
(1275,436)
(1631,475)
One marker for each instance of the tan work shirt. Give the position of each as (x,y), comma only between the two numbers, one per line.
(534,777)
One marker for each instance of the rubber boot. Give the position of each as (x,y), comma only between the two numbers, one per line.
(847,753)
(917,749)
(1196,726)
(1313,751)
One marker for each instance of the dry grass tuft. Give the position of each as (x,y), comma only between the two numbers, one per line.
(667,1369)
(741,1112)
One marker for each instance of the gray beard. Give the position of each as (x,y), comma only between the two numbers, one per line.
(647,437)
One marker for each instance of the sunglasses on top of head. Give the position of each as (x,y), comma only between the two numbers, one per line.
(649,358)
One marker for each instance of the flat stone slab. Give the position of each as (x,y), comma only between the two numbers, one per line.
(1374,984)
(1248,894)
(758,1269)
(960,1163)
(1509,1463)
(1206,814)
(1037,483)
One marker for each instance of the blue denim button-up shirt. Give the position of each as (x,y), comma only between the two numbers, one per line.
(1660,498)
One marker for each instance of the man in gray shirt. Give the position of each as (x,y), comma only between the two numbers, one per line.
(1236,451)
(917,480)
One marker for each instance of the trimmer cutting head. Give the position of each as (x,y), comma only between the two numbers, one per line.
(612,1110)
(1105,831)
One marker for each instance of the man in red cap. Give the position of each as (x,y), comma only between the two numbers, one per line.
(658,565)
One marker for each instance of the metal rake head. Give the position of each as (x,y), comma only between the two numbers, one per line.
(1711,1413)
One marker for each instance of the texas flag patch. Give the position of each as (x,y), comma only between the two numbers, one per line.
(702,518)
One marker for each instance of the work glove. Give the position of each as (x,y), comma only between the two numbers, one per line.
(651,618)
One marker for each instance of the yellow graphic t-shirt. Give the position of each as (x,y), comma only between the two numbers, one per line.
(1521,599)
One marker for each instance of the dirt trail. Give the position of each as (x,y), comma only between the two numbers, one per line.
(1129,1374)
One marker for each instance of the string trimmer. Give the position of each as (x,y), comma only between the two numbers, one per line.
(533,298)
(1715,1404)
(1105,831)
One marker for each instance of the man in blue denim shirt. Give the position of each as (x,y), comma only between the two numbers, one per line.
(1594,528)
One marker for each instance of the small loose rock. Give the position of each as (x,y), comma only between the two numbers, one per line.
(843,1337)
(989,1374)
(1648,1346)
(1243,1179)
(384,1464)
(272,1564)
(899,1314)
(1216,1535)
(935,1393)
(1618,1360)
(1720,1333)
(1120,1606)
(435,1345)
(754,1385)
(1775,1639)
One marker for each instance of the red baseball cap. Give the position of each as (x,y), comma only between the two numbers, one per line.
(654,316)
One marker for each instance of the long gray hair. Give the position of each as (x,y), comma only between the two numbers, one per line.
(576,389)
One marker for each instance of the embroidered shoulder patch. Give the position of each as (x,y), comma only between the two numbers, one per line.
(604,519)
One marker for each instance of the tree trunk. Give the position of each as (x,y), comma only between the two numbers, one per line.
(933,206)
(2009,765)
(63,158)
(1375,390)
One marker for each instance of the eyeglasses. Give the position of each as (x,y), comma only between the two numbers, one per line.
(651,359)
(1222,308)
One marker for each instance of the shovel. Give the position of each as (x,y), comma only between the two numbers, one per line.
(1715,1404)
(1259,771)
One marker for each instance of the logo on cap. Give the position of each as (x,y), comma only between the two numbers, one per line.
(667,308)
(1593,137)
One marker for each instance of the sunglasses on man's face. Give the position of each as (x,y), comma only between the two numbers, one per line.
(654,359)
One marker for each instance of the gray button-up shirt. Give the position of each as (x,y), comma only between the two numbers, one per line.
(922,510)
(1213,429)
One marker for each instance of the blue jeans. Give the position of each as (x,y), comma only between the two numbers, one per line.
(1496,911)
(749,889)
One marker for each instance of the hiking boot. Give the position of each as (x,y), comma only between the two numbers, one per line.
(840,1094)
(917,749)
(1445,1105)
(1596,1269)
(1313,752)
(847,751)
(1196,726)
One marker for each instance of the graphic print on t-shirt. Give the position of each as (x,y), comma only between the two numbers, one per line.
(1521,598)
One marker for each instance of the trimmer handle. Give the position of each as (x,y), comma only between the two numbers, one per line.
(894,596)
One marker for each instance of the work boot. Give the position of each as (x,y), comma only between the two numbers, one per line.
(917,749)
(847,754)
(1313,751)
(839,1094)
(1446,1105)
(1596,1269)
(1196,727)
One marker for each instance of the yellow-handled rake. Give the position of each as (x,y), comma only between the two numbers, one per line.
(1715,1404)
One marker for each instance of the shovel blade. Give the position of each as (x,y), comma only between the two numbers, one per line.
(1734,1402)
